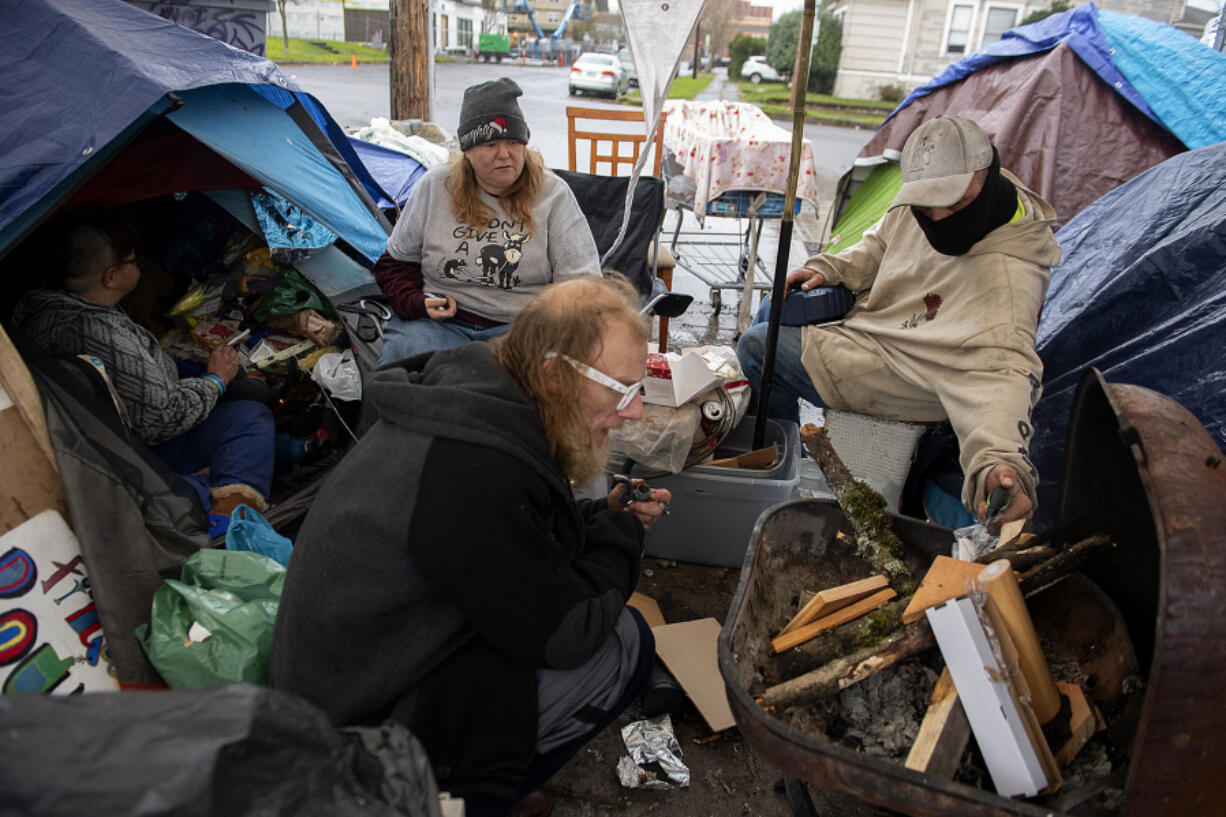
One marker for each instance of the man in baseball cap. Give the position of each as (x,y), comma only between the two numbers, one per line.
(949,287)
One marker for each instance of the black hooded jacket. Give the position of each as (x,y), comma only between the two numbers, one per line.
(444,561)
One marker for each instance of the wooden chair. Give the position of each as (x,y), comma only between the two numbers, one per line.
(616,156)
(611,149)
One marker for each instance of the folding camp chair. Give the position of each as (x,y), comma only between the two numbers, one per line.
(612,147)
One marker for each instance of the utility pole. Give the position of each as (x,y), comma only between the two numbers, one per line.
(409,47)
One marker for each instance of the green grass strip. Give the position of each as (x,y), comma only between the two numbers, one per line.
(316,51)
(779,94)
(821,115)
(682,88)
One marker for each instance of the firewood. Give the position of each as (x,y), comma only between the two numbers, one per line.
(946,579)
(844,672)
(833,598)
(800,635)
(843,640)
(818,660)
(1063,563)
(1023,560)
(944,733)
(864,509)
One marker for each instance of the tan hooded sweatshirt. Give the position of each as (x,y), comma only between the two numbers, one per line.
(934,336)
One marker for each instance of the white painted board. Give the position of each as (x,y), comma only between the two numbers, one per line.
(995,720)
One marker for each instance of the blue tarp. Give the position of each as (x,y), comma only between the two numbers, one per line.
(1140,294)
(80,77)
(1169,76)
(268,145)
(394,171)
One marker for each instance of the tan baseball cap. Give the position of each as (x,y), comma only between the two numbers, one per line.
(939,160)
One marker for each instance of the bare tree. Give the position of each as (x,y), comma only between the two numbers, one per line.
(716,21)
(281,4)
(492,16)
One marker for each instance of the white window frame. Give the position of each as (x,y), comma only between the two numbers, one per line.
(461,35)
(970,31)
(987,11)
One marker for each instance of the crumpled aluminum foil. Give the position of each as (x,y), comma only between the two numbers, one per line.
(652,741)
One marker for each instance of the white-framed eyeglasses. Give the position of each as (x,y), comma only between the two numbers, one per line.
(595,375)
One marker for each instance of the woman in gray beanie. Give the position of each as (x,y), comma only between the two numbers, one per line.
(481,236)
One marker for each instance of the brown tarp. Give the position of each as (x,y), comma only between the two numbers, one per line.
(1059,128)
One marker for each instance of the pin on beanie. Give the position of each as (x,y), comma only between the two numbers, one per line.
(489,112)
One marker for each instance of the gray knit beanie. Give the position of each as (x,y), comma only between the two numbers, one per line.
(489,111)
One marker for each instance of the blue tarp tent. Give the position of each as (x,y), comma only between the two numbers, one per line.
(1140,294)
(83,82)
(1167,75)
(1077,103)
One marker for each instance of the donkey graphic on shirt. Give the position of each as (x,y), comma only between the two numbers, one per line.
(487,256)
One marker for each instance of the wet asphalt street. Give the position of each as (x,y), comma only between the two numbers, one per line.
(356,95)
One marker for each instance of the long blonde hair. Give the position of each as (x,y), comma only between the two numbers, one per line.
(569,318)
(467,206)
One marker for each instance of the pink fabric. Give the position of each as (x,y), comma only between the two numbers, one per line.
(726,146)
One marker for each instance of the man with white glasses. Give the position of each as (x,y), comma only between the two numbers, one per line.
(447,578)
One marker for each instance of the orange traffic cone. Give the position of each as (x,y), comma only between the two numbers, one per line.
(353,60)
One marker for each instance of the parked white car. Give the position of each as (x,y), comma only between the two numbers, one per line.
(598,74)
(757,69)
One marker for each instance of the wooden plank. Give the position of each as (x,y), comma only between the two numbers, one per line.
(1000,583)
(834,598)
(761,458)
(855,610)
(1010,531)
(1082,723)
(946,579)
(31,483)
(944,733)
(16,381)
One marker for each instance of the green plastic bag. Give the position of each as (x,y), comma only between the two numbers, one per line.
(293,294)
(214,626)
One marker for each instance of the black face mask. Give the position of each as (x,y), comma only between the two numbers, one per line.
(957,233)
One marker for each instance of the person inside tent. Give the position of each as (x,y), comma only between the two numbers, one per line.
(224,448)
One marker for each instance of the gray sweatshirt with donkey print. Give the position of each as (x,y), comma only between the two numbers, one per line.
(494,269)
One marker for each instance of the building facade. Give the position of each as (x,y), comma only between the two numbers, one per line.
(455,24)
(752,20)
(907,42)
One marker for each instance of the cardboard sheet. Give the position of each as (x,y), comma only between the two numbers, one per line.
(689,651)
(647,607)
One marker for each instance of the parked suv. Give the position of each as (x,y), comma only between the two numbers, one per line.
(757,69)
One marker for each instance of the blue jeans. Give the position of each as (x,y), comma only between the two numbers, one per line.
(790,382)
(404,338)
(235,441)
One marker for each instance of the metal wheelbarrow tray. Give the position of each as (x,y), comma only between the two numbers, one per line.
(1138,467)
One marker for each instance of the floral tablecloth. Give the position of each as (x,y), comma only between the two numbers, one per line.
(723,146)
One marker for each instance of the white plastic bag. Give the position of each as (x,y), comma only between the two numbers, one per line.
(662,439)
(338,373)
